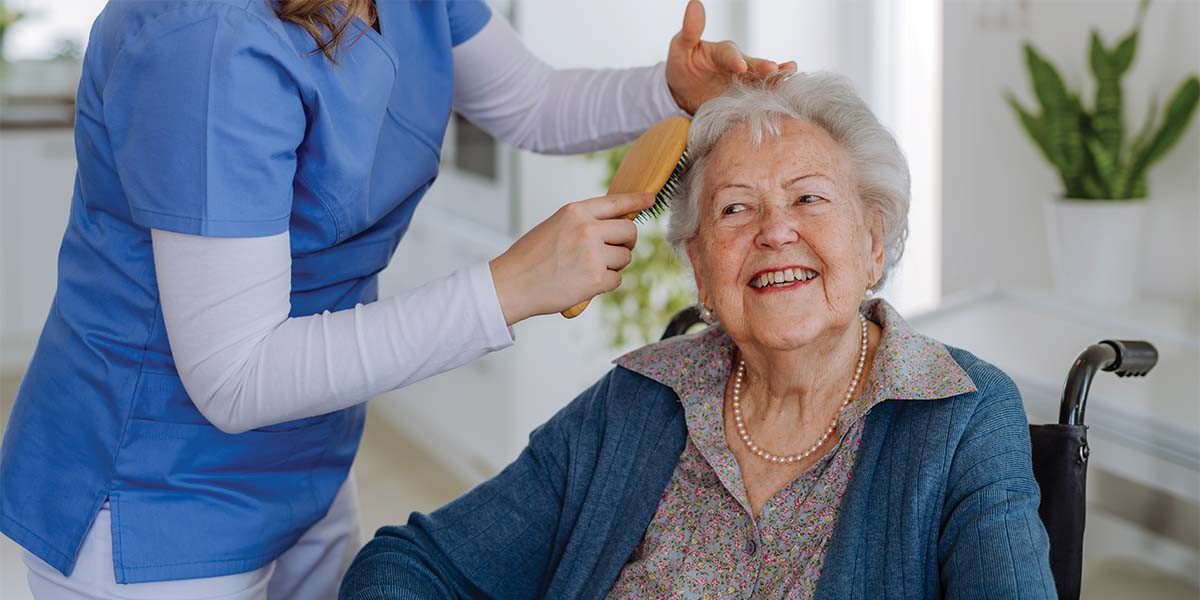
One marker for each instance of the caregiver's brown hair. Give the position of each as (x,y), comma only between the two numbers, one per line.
(325,20)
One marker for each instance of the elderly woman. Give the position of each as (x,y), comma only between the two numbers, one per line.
(809,444)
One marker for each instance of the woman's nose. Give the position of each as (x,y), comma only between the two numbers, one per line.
(776,231)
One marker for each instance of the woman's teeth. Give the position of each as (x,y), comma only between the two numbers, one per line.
(782,278)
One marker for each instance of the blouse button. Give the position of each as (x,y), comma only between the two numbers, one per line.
(750,547)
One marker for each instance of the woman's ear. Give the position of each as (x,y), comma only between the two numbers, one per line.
(877,246)
(694,258)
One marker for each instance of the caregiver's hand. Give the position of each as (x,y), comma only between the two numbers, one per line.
(699,70)
(572,256)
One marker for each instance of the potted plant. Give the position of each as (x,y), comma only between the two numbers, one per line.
(1095,225)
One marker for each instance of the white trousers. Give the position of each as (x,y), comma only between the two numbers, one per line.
(309,570)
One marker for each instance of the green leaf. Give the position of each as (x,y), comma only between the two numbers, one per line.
(1106,166)
(1047,83)
(1059,114)
(1107,121)
(1125,180)
(1122,56)
(1175,121)
(1138,189)
(1091,188)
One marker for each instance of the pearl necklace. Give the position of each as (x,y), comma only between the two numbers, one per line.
(769,457)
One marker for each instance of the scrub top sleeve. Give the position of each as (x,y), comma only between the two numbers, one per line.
(467,17)
(205,121)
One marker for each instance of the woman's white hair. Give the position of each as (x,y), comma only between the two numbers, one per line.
(823,99)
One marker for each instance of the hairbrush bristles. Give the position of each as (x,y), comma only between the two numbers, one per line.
(664,195)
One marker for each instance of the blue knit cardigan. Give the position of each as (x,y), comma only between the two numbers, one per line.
(942,504)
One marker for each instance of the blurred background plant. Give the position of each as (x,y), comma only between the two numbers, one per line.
(1089,149)
(8,17)
(653,287)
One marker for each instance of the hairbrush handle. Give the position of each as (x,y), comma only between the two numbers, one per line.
(576,310)
(649,164)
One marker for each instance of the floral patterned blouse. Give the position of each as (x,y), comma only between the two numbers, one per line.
(703,541)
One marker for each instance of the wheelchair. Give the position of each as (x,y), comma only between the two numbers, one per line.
(1060,450)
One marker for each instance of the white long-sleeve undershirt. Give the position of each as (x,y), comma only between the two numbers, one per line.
(246,364)
(225,301)
(515,96)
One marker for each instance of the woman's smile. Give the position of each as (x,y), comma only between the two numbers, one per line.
(778,279)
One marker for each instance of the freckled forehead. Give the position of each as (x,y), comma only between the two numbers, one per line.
(800,146)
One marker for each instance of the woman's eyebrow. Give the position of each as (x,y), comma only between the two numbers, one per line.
(724,186)
(806,176)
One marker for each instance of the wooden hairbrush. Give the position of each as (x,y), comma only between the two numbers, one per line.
(654,164)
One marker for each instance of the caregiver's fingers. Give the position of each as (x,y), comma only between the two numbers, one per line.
(617,257)
(618,232)
(726,55)
(693,23)
(762,66)
(617,205)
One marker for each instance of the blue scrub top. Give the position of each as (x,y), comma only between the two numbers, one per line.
(215,118)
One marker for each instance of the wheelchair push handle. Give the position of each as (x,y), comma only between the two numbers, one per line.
(1134,358)
(1127,358)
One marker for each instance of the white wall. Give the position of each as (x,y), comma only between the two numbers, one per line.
(906,78)
(994,180)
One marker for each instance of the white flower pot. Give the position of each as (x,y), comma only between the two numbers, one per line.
(1096,248)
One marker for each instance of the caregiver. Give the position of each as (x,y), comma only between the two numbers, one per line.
(245,170)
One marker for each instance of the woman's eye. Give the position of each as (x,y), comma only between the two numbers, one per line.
(733,208)
(808,199)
